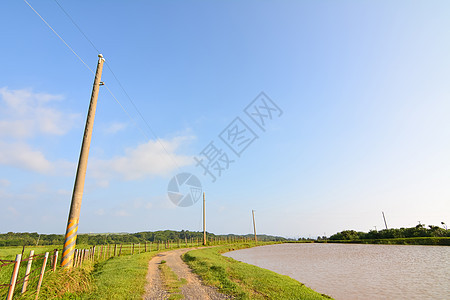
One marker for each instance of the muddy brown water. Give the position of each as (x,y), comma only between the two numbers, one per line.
(359,271)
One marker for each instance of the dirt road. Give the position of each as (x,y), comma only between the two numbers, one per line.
(193,289)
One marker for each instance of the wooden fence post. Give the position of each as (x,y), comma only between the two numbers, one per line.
(132,249)
(41,276)
(12,284)
(79,257)
(23,250)
(120,250)
(75,257)
(27,272)
(55,259)
(145,246)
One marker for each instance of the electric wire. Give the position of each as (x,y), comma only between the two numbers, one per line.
(76,25)
(122,87)
(73,51)
(109,67)
(115,77)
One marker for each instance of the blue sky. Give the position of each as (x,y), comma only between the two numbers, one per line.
(363,86)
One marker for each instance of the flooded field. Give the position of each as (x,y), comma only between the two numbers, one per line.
(359,271)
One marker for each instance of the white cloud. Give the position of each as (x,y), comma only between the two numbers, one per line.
(4,182)
(115,127)
(64,192)
(121,213)
(25,114)
(141,203)
(100,212)
(13,211)
(21,155)
(149,159)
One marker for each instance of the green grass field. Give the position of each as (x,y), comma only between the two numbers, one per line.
(119,277)
(10,252)
(124,277)
(242,280)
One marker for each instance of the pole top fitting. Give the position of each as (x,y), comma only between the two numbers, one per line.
(100,55)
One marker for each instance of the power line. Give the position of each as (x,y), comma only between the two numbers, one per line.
(73,51)
(109,67)
(121,86)
(114,75)
(79,29)
(126,112)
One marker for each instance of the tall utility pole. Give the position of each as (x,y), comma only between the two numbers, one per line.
(74,214)
(254,225)
(385,224)
(204,220)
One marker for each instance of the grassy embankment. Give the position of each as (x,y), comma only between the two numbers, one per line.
(242,280)
(431,241)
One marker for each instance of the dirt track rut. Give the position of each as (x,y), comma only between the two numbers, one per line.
(194,288)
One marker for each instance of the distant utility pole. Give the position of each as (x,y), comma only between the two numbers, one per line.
(254,225)
(74,214)
(384,220)
(204,220)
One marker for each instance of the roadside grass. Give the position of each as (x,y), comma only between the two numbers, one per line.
(64,284)
(9,253)
(171,281)
(244,281)
(122,277)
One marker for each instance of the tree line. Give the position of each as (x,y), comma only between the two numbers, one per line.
(34,238)
(418,231)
